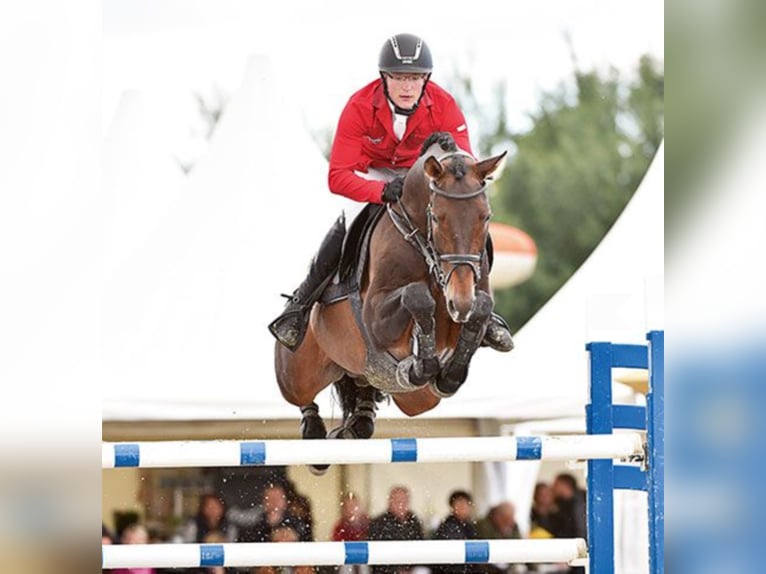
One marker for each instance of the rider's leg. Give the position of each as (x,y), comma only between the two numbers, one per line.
(290,327)
(498,334)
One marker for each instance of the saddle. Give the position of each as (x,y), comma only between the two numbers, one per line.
(354,255)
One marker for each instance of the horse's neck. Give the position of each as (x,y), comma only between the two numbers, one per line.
(416,200)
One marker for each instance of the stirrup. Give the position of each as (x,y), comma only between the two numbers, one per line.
(290,327)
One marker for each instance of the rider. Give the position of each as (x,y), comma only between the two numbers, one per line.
(378,137)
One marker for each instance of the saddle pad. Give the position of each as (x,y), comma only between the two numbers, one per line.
(354,255)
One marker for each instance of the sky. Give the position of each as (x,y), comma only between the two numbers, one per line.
(168,49)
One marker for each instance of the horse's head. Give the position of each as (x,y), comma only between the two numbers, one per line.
(458,222)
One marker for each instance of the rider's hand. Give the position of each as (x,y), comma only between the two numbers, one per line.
(392,191)
(446,141)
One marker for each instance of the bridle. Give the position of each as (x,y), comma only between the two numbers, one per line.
(425,245)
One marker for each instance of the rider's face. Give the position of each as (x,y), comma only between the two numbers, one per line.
(404,89)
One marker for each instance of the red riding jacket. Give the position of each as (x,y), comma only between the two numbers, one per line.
(365,137)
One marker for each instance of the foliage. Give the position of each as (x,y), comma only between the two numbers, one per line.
(573,172)
(210,109)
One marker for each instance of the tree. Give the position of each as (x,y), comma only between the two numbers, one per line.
(573,173)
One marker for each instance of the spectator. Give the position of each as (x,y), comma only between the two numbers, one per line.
(276,514)
(570,518)
(459,525)
(134,534)
(106,535)
(354,521)
(543,507)
(398,523)
(284,533)
(499,523)
(210,525)
(300,507)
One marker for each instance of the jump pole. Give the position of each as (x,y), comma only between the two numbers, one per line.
(166,454)
(249,554)
(601,447)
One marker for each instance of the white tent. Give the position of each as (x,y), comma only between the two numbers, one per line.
(139,178)
(185,316)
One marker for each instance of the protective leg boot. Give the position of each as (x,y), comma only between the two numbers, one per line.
(290,327)
(498,335)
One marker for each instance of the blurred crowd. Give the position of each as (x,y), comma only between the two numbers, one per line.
(558,511)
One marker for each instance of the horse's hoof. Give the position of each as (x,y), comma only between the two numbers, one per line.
(433,387)
(341,432)
(312,427)
(361,426)
(451,380)
(429,368)
(318,469)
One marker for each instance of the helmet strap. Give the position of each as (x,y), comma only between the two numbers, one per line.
(397,109)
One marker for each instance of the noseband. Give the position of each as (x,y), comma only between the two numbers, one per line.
(433,258)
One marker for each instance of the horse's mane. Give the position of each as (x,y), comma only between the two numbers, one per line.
(457,164)
(433,139)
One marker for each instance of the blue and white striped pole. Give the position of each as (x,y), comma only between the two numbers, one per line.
(166,454)
(338,553)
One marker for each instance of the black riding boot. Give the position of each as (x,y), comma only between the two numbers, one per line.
(498,335)
(290,327)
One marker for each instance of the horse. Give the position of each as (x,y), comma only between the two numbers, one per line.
(420,309)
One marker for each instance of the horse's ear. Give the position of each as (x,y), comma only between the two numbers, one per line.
(486,169)
(432,167)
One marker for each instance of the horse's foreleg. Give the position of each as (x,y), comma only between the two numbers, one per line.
(417,299)
(391,314)
(455,372)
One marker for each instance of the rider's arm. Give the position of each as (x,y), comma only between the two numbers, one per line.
(347,156)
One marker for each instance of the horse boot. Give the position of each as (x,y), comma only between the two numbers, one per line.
(290,327)
(312,427)
(498,334)
(361,423)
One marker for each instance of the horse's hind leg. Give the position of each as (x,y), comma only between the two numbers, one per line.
(455,372)
(312,427)
(359,406)
(302,375)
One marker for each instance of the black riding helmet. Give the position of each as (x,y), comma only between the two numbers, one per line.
(403,54)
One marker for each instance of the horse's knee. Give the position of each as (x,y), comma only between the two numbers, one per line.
(417,299)
(483,305)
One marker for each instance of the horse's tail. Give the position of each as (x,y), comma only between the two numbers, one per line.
(348,392)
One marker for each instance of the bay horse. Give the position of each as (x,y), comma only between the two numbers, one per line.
(421,307)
